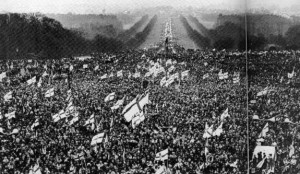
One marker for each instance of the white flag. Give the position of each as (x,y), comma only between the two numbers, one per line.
(111,75)
(49,93)
(35,170)
(85,66)
(103,77)
(118,104)
(171,68)
(161,156)
(74,119)
(91,120)
(71,68)
(169,81)
(161,170)
(44,74)
(208,132)
(140,117)
(97,139)
(185,74)
(35,124)
(120,73)
(168,62)
(2,76)
(110,97)
(260,164)
(8,96)
(137,74)
(11,115)
(236,79)
(205,76)
(264,131)
(163,81)
(218,131)
(135,108)
(96,68)
(223,75)
(225,114)
(59,116)
(31,81)
(40,83)
(263,92)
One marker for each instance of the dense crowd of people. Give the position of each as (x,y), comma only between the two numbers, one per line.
(176,115)
(274,111)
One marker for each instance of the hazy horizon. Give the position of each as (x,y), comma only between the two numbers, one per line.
(116,6)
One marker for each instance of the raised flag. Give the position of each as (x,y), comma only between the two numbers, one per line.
(49,93)
(111,74)
(161,170)
(148,74)
(59,116)
(137,119)
(264,91)
(291,75)
(8,96)
(45,74)
(110,97)
(118,104)
(31,81)
(161,156)
(261,163)
(234,164)
(169,81)
(71,68)
(163,81)
(96,68)
(69,96)
(273,119)
(264,131)
(205,76)
(91,120)
(35,170)
(120,73)
(208,131)
(135,107)
(292,149)
(15,131)
(129,74)
(223,75)
(35,124)
(236,79)
(74,119)
(40,83)
(137,75)
(85,66)
(287,120)
(168,62)
(2,76)
(225,114)
(218,131)
(185,74)
(103,77)
(97,139)
(10,115)
(171,68)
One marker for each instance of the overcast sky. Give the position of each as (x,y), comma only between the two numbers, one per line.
(112,6)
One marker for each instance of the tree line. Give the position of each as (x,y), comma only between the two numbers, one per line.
(140,37)
(24,35)
(200,40)
(127,34)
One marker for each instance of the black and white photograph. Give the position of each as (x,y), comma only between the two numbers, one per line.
(149,87)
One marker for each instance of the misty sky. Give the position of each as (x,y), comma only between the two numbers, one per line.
(113,6)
